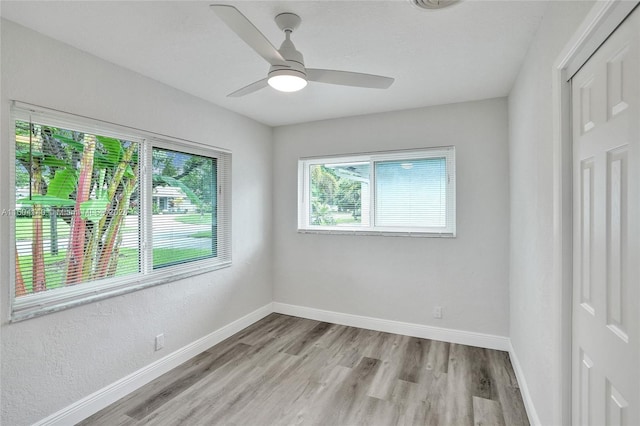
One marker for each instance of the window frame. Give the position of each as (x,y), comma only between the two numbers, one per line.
(37,304)
(304,199)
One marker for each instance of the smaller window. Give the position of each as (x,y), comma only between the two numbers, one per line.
(401,192)
(184,221)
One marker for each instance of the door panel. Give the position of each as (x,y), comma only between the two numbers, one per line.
(606,299)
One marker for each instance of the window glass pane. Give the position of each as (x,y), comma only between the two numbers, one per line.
(411,193)
(77,217)
(184,224)
(339,194)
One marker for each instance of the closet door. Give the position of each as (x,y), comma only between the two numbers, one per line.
(606,206)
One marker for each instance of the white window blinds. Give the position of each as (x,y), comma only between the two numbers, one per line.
(101,209)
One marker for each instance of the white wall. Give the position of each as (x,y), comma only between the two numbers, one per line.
(55,360)
(536,318)
(403,278)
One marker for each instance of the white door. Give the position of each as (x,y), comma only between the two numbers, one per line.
(606,212)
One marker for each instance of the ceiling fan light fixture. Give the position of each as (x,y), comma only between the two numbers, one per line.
(286,81)
(433,4)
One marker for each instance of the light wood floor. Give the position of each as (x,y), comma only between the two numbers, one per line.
(285,370)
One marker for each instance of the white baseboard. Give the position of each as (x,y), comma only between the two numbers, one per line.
(95,402)
(488,341)
(524,389)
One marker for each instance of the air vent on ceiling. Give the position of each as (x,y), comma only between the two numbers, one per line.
(433,4)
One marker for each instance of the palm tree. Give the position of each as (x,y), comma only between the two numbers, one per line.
(323,184)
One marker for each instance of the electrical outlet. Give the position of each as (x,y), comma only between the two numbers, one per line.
(437,312)
(159,342)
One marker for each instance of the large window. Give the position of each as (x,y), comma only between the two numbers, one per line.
(101,210)
(402,193)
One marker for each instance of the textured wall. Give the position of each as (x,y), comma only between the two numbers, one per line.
(55,360)
(403,278)
(535,303)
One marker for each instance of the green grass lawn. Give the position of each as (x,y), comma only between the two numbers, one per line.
(171,256)
(24,228)
(127,259)
(194,219)
(345,218)
(202,234)
(55,267)
(127,263)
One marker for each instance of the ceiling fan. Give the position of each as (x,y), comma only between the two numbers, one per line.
(287,72)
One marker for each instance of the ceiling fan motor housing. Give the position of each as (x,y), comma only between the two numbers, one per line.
(295,60)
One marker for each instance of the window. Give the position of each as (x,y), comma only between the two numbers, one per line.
(102,209)
(401,193)
(183,222)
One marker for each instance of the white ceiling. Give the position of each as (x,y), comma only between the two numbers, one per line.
(472,50)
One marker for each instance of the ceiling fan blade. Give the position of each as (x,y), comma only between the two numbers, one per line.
(249,33)
(347,78)
(253,87)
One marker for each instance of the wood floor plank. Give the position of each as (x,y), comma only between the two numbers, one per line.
(284,382)
(325,340)
(487,412)
(512,406)
(185,382)
(107,417)
(155,387)
(413,361)
(294,387)
(343,339)
(404,393)
(508,391)
(431,408)
(376,412)
(380,345)
(214,389)
(389,371)
(351,395)
(502,370)
(438,357)
(459,397)
(308,339)
(211,391)
(285,370)
(284,331)
(236,400)
(480,380)
(258,329)
(320,395)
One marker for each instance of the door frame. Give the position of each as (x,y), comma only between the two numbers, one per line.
(600,22)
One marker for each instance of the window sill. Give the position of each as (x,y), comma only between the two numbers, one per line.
(35,305)
(412,234)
